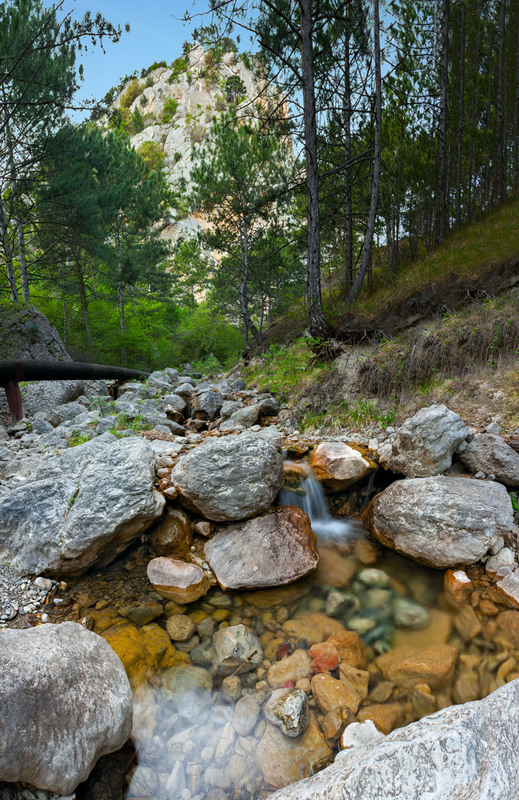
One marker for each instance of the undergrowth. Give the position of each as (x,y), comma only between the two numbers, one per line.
(286,371)
(340,415)
(485,334)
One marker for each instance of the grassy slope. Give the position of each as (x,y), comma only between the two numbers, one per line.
(444,327)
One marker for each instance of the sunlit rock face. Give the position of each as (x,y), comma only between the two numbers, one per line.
(441,521)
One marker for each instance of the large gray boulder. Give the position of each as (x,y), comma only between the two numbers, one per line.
(491,454)
(460,753)
(230,478)
(66,701)
(271,550)
(441,521)
(425,443)
(27,334)
(80,508)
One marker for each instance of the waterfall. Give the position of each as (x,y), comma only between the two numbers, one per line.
(310,497)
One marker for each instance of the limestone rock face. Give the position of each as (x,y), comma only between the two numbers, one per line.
(66,701)
(271,550)
(425,443)
(459,753)
(490,454)
(177,580)
(441,521)
(80,508)
(337,466)
(230,478)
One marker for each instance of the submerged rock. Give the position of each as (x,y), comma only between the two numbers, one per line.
(441,521)
(459,753)
(236,650)
(66,701)
(230,478)
(337,466)
(408,667)
(425,443)
(283,760)
(271,550)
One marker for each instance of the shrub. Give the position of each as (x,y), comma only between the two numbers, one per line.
(179,66)
(153,154)
(133,91)
(170,109)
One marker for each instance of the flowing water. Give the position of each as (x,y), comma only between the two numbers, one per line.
(194,741)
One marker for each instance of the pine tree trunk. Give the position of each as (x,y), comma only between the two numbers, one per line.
(500,145)
(442,204)
(461,114)
(516,121)
(8,254)
(365,260)
(318,326)
(347,157)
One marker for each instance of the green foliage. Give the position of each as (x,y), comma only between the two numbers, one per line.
(137,121)
(126,421)
(155,65)
(152,153)
(179,66)
(203,332)
(286,370)
(133,91)
(170,109)
(234,89)
(77,438)
(340,415)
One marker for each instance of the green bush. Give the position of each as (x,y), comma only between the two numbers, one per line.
(170,109)
(133,91)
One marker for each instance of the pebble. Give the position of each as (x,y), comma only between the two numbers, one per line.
(20,596)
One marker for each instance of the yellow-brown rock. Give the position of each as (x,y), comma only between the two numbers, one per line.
(330,693)
(281,596)
(312,627)
(457,586)
(356,679)
(366,552)
(350,647)
(467,623)
(172,536)
(333,569)
(105,618)
(438,631)
(508,626)
(334,723)
(423,700)
(283,760)
(177,580)
(337,466)
(290,668)
(506,590)
(466,687)
(143,649)
(410,666)
(385,717)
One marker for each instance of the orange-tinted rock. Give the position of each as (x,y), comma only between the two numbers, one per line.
(172,536)
(143,649)
(488,608)
(338,466)
(330,693)
(457,585)
(325,657)
(281,596)
(386,717)
(356,679)
(506,590)
(410,666)
(334,723)
(508,625)
(294,473)
(312,627)
(467,623)
(177,580)
(366,552)
(290,668)
(350,647)
(283,760)
(333,569)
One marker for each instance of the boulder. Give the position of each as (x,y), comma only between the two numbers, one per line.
(177,580)
(230,478)
(172,536)
(80,508)
(236,650)
(490,454)
(66,701)
(208,405)
(441,521)
(271,550)
(337,466)
(460,753)
(26,334)
(425,443)
(242,418)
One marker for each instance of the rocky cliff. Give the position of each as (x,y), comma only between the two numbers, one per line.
(171,109)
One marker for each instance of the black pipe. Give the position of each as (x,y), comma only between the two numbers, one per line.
(63,371)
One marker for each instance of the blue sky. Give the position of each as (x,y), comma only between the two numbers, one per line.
(157,33)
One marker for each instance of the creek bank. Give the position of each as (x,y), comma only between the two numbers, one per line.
(325,636)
